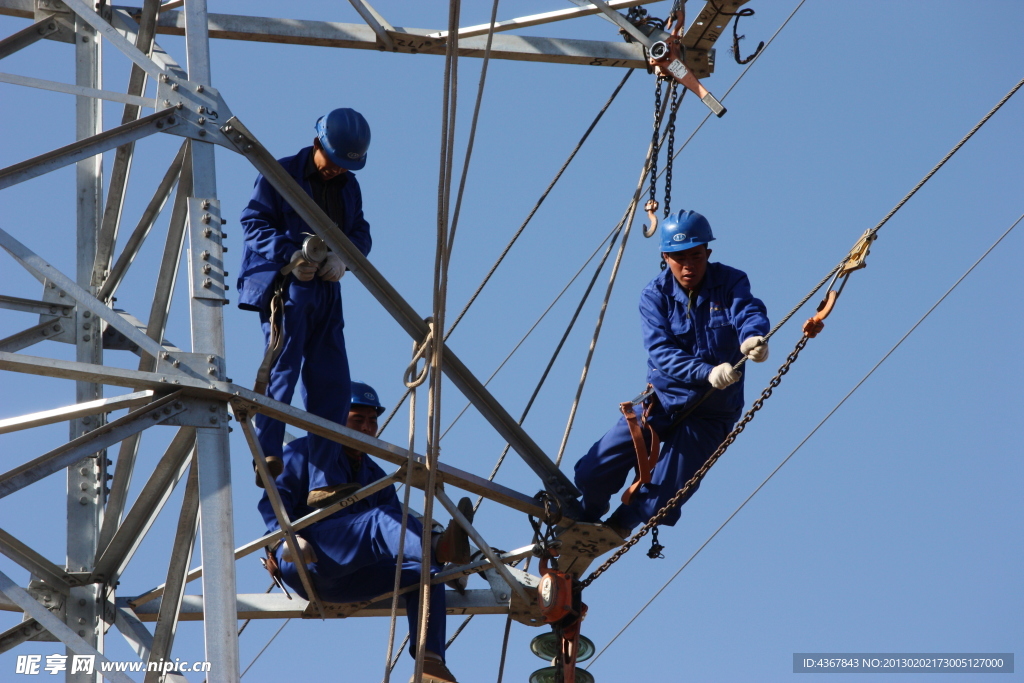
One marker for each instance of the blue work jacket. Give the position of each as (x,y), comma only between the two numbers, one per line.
(293,485)
(274,231)
(684,342)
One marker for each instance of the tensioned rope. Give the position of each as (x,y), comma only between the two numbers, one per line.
(441,261)
(808,437)
(741,425)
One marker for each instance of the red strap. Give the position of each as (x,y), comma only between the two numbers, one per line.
(645,459)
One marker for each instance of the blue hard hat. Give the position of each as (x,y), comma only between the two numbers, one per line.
(684,229)
(364,395)
(345,136)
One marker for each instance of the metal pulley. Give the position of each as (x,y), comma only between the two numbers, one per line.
(313,250)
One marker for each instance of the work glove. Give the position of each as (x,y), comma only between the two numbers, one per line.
(723,375)
(305,549)
(752,351)
(331,269)
(303,270)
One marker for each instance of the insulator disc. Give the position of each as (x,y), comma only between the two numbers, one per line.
(547,675)
(547,645)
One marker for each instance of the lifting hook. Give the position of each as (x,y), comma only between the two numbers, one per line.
(651,207)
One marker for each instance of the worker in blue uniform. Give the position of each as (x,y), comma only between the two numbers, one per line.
(301,310)
(698,320)
(351,554)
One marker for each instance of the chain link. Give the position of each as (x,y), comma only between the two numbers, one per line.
(654,140)
(677,97)
(699,475)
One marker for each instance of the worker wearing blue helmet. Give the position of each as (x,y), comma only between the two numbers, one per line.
(698,320)
(298,299)
(351,554)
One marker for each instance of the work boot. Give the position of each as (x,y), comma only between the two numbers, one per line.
(453,546)
(328,495)
(615,524)
(434,671)
(276,466)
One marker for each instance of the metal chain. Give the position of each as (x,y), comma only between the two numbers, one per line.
(699,475)
(677,98)
(654,140)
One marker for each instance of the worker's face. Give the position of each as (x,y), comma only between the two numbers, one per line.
(327,168)
(688,266)
(362,419)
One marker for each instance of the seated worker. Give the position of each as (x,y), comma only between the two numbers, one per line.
(351,554)
(698,320)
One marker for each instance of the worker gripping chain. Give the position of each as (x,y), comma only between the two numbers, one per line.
(297,295)
(698,320)
(352,553)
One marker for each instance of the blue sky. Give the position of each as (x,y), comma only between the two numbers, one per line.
(896,528)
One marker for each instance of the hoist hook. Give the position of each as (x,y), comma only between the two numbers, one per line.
(651,207)
(816,323)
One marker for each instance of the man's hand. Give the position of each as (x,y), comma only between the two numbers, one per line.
(754,349)
(723,375)
(331,269)
(305,550)
(303,270)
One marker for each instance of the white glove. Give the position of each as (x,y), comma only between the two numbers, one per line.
(723,375)
(303,270)
(305,549)
(752,351)
(331,269)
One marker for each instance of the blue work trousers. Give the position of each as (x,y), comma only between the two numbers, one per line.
(602,472)
(313,347)
(356,557)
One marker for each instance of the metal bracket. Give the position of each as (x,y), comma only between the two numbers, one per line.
(62,16)
(206,257)
(52,600)
(203,366)
(200,413)
(66,316)
(200,107)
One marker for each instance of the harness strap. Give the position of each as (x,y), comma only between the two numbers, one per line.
(646,459)
(276,337)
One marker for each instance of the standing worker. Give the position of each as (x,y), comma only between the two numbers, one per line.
(353,553)
(698,320)
(299,301)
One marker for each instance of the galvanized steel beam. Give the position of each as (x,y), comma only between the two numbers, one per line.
(57,86)
(91,442)
(56,577)
(75,411)
(181,558)
(27,36)
(116,554)
(121,169)
(54,625)
(86,148)
(278,606)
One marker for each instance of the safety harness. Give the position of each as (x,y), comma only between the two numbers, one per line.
(642,433)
